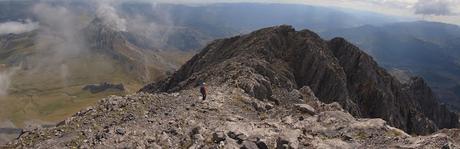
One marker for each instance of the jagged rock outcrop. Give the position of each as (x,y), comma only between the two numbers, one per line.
(271,62)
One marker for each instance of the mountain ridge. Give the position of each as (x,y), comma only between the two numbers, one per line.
(280,57)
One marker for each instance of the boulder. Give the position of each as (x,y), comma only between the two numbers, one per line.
(218,137)
(249,145)
(305,108)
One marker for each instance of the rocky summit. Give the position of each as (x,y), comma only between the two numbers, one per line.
(273,88)
(273,61)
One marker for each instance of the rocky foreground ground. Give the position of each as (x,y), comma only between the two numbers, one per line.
(230,119)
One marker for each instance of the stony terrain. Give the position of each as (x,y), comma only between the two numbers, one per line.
(229,119)
(274,88)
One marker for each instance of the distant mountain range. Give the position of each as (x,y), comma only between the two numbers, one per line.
(189,27)
(428,49)
(202,23)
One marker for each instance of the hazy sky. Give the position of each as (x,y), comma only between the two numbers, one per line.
(434,10)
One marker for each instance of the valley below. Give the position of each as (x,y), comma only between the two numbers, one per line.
(44,98)
(44,88)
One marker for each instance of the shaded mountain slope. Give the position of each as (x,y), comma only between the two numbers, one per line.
(427,49)
(272,61)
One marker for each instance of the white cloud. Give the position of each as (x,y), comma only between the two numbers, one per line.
(5,79)
(109,16)
(434,7)
(58,40)
(17,27)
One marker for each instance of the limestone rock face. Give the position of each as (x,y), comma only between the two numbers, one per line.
(272,62)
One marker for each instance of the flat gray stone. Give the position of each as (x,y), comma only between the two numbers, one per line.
(306,108)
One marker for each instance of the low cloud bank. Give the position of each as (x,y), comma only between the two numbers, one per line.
(434,7)
(5,80)
(109,16)
(14,27)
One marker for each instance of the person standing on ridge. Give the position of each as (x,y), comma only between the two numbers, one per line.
(203,90)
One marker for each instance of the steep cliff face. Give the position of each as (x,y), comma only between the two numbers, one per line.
(439,114)
(270,62)
(378,94)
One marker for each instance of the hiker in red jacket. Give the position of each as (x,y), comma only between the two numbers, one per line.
(203,90)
